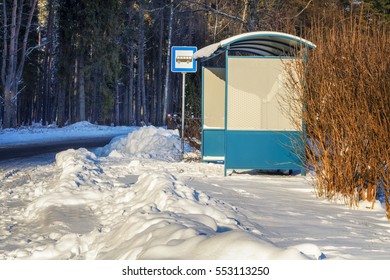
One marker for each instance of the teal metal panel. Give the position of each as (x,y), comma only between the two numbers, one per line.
(213,143)
(263,150)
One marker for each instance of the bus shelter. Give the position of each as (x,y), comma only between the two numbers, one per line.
(244,123)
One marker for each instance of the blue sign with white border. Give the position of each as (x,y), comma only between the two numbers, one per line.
(182,60)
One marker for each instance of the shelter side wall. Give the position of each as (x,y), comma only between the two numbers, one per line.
(214,98)
(256,94)
(213,121)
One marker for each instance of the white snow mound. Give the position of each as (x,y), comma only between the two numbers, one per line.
(157,217)
(147,142)
(161,218)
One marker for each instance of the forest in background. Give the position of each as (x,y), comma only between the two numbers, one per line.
(108,61)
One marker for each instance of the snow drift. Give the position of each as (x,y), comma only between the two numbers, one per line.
(147,142)
(91,207)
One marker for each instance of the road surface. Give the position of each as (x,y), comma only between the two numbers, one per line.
(9,152)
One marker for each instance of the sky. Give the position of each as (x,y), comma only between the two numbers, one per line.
(137,198)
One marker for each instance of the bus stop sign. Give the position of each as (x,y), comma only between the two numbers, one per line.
(182,61)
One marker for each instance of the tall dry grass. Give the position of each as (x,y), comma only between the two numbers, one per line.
(343,97)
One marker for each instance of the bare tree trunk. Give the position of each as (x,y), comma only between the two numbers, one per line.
(130,93)
(159,101)
(47,65)
(250,15)
(5,44)
(138,102)
(141,98)
(150,89)
(141,58)
(81,88)
(131,83)
(215,23)
(11,73)
(125,117)
(61,105)
(167,64)
(74,104)
(244,15)
(4,60)
(145,111)
(93,115)
(10,78)
(125,108)
(117,102)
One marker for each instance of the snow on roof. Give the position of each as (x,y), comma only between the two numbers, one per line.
(261,43)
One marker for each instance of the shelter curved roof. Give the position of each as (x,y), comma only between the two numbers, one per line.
(259,43)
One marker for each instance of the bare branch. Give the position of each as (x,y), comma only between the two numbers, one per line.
(25,39)
(19,92)
(215,11)
(31,49)
(307,5)
(156,9)
(298,14)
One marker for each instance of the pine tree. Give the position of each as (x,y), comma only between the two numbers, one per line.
(90,57)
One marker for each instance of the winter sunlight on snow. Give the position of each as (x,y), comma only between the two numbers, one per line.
(137,199)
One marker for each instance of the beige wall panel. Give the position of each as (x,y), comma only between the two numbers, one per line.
(256,87)
(214,98)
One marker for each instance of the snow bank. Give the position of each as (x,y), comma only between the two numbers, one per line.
(80,214)
(147,142)
(161,218)
(77,183)
(82,124)
(127,205)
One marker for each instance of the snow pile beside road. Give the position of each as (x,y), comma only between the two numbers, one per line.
(88,208)
(126,206)
(147,142)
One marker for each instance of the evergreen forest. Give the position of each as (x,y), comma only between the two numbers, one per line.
(108,61)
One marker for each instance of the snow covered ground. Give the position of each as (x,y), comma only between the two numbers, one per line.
(137,199)
(38,133)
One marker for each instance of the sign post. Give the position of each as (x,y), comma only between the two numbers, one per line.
(183,105)
(182,62)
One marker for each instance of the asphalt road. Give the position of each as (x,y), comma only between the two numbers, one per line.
(9,152)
